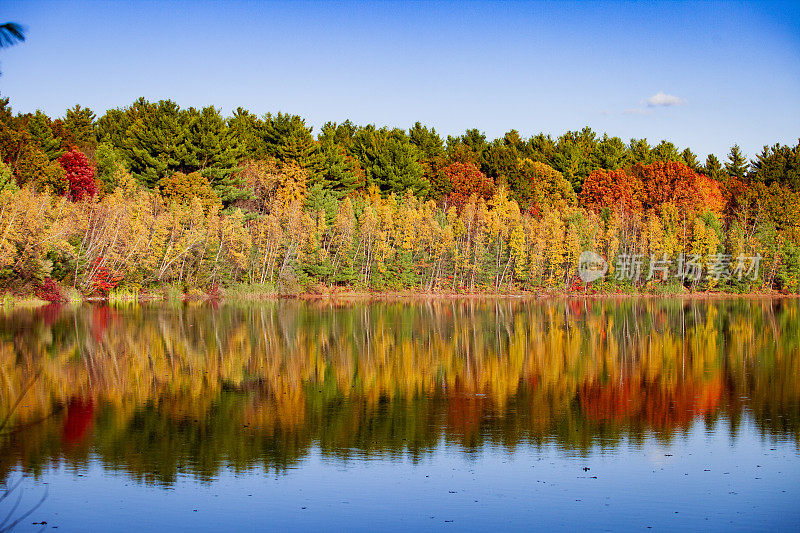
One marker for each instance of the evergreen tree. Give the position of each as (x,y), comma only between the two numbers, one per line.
(641,152)
(342,134)
(288,139)
(341,172)
(611,154)
(426,140)
(154,144)
(113,126)
(666,151)
(42,134)
(778,164)
(500,160)
(246,131)
(688,157)
(542,148)
(109,166)
(390,161)
(572,157)
(77,129)
(737,165)
(211,150)
(713,168)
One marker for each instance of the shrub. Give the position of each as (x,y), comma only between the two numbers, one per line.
(49,291)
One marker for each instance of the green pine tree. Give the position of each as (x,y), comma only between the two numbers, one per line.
(737,165)
(42,134)
(713,168)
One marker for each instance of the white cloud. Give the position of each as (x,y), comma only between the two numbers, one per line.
(662,99)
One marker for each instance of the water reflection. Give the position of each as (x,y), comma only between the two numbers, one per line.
(158,390)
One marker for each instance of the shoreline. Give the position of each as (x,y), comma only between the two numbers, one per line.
(30,301)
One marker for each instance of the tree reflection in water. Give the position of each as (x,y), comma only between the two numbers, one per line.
(154,390)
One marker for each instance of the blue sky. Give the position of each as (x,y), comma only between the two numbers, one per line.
(730,71)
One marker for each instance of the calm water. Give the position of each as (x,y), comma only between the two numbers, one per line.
(466,414)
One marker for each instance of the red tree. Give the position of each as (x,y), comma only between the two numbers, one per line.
(462,180)
(79,173)
(668,181)
(645,187)
(616,189)
(103,280)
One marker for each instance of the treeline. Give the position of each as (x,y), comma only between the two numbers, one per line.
(152,194)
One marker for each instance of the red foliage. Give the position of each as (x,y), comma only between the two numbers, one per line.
(465,179)
(576,286)
(616,189)
(668,182)
(79,417)
(645,187)
(79,173)
(50,313)
(101,317)
(711,194)
(661,407)
(103,280)
(735,192)
(214,292)
(49,291)
(465,412)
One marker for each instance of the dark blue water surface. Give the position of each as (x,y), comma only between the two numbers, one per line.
(452,414)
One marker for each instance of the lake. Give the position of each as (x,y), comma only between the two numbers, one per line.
(448,414)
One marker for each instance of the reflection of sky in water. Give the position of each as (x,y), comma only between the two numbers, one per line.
(702,480)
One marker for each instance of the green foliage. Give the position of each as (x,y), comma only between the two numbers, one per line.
(42,135)
(690,160)
(299,211)
(778,164)
(390,160)
(426,140)
(788,276)
(611,153)
(246,134)
(713,168)
(287,138)
(340,172)
(109,166)
(78,129)
(737,165)
(320,199)
(7,181)
(641,152)
(666,151)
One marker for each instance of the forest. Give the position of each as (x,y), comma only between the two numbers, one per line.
(153,198)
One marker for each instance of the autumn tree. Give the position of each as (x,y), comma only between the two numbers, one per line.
(457,182)
(539,186)
(615,189)
(79,173)
(182,188)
